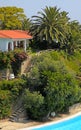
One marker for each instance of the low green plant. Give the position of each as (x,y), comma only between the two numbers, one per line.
(15,86)
(33,102)
(12,60)
(19,57)
(5,103)
(10,90)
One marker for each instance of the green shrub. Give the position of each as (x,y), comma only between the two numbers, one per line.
(16,86)
(9,92)
(33,102)
(5,60)
(12,60)
(5,103)
(61,91)
(19,57)
(52,78)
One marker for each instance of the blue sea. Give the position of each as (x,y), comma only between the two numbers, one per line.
(70,124)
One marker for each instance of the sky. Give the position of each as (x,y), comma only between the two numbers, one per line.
(31,7)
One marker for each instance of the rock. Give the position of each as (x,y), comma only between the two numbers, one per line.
(53,114)
(75,108)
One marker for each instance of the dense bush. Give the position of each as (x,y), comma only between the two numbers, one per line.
(12,60)
(5,103)
(55,82)
(61,91)
(51,85)
(9,92)
(19,57)
(16,86)
(5,60)
(33,103)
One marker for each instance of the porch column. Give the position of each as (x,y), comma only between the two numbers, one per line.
(16,43)
(6,48)
(12,46)
(25,45)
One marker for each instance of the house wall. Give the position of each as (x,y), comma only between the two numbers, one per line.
(4,44)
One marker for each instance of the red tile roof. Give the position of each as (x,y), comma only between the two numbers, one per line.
(15,34)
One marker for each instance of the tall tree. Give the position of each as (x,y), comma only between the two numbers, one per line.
(26,24)
(11,17)
(51,25)
(74,38)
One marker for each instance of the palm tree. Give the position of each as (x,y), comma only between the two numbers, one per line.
(51,25)
(26,23)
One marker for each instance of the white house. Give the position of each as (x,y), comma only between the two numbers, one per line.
(11,39)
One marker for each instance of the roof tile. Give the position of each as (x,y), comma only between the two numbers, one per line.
(15,34)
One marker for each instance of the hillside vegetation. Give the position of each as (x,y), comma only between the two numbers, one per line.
(53,83)
(53,80)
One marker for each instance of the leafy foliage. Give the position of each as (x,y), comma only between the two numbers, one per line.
(51,26)
(5,102)
(55,82)
(26,24)
(12,60)
(9,92)
(11,17)
(33,104)
(15,86)
(5,60)
(61,91)
(74,38)
(51,83)
(19,57)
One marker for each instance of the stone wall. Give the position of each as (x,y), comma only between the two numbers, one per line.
(25,64)
(75,108)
